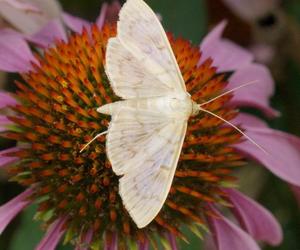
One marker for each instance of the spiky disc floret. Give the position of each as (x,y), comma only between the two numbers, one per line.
(57,116)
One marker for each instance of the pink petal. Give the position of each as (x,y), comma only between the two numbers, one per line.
(85,241)
(29,16)
(4,121)
(144,245)
(76,24)
(15,54)
(249,121)
(255,219)
(6,100)
(53,235)
(108,13)
(226,55)
(257,94)
(51,32)
(172,241)
(263,53)
(208,243)
(251,9)
(112,244)
(21,5)
(228,236)
(283,152)
(10,210)
(6,160)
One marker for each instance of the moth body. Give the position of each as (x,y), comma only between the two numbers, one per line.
(177,106)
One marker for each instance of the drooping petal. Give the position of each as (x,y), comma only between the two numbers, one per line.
(29,16)
(4,121)
(144,246)
(52,31)
(229,236)
(257,94)
(172,241)
(76,24)
(208,243)
(254,218)
(6,100)
(111,241)
(5,159)
(10,210)
(108,13)
(251,9)
(15,54)
(226,55)
(85,241)
(283,152)
(53,235)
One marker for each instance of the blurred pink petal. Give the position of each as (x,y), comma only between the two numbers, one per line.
(226,55)
(4,159)
(20,15)
(5,98)
(144,246)
(256,95)
(249,120)
(52,31)
(108,13)
(21,5)
(263,53)
(112,243)
(208,243)
(172,241)
(228,236)
(85,241)
(251,9)
(10,210)
(53,235)
(76,24)
(4,121)
(255,219)
(15,54)
(283,152)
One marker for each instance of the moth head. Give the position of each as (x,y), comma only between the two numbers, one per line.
(195,108)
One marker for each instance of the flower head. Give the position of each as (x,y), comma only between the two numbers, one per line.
(54,115)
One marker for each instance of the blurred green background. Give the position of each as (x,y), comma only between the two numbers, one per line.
(190,19)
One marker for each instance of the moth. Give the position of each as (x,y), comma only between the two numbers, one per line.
(148,127)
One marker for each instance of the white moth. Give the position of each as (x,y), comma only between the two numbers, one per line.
(148,127)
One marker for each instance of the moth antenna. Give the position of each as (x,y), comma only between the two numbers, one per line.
(98,135)
(228,92)
(236,128)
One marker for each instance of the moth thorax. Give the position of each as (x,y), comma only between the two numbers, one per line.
(183,106)
(195,108)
